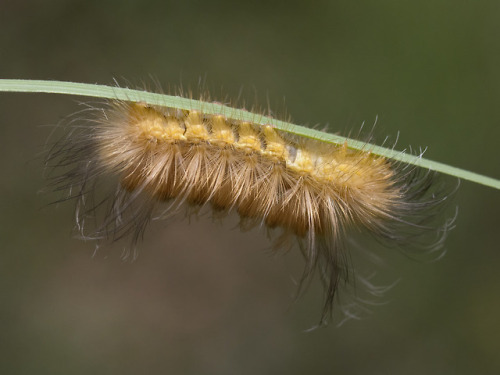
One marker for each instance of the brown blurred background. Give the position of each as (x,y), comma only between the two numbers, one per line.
(203,298)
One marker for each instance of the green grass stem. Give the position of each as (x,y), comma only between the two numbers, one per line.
(108,92)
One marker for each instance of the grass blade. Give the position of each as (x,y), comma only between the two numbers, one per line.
(108,92)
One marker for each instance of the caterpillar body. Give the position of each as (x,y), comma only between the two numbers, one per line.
(158,159)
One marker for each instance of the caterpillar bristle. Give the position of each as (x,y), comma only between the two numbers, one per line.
(129,162)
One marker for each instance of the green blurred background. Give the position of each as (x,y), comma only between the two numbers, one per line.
(203,298)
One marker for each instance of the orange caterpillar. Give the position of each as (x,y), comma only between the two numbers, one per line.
(308,189)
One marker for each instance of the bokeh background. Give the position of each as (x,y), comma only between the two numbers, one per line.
(203,298)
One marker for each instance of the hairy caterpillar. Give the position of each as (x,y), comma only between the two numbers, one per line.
(156,159)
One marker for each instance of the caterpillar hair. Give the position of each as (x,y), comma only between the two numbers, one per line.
(127,162)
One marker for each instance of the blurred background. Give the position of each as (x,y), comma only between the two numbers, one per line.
(203,298)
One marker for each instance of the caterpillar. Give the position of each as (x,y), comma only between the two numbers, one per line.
(127,162)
